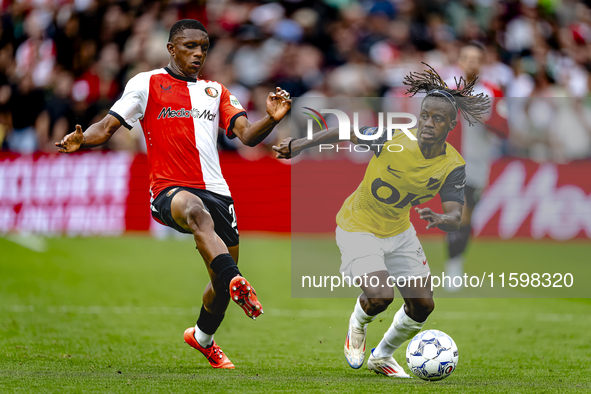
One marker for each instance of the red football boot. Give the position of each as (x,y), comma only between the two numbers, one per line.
(245,296)
(214,354)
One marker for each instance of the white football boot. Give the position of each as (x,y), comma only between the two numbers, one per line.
(355,346)
(386,366)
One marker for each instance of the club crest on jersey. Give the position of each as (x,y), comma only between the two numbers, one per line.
(211,91)
(187,113)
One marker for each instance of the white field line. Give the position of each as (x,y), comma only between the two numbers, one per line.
(32,242)
(287,313)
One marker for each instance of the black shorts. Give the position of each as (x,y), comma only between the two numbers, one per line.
(472,196)
(221,209)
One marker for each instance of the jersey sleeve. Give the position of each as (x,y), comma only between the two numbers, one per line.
(453,187)
(132,104)
(374,144)
(230,110)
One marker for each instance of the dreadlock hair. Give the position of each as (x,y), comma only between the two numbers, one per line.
(472,107)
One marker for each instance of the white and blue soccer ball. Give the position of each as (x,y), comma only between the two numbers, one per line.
(432,355)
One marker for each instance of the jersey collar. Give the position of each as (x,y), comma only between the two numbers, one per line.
(180,77)
(420,152)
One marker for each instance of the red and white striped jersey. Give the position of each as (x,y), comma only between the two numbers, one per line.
(180,117)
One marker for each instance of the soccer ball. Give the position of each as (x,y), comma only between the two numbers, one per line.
(432,355)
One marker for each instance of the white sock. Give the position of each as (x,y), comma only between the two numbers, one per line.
(455,266)
(360,319)
(205,340)
(402,329)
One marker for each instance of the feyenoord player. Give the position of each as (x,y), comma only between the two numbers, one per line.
(179,115)
(475,144)
(374,232)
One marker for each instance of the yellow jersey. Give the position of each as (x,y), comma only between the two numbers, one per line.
(397,178)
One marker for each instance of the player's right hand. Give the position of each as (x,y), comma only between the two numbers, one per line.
(71,142)
(433,218)
(286,149)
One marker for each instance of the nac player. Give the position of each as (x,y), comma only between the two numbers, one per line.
(179,115)
(374,232)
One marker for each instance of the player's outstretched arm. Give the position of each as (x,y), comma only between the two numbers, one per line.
(251,134)
(290,147)
(448,221)
(97,134)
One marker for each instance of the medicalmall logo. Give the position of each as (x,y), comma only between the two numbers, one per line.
(390,119)
(186,113)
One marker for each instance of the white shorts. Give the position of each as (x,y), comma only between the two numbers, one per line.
(400,255)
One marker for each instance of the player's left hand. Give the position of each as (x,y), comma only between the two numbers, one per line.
(278,104)
(427,214)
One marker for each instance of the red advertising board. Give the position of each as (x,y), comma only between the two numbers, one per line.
(527,199)
(107,193)
(80,194)
(523,199)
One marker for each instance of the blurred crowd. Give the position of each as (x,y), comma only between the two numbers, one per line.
(64,62)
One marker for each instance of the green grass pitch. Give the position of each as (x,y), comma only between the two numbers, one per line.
(107,315)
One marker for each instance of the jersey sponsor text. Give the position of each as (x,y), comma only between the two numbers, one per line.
(183,113)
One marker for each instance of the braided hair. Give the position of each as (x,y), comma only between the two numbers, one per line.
(472,107)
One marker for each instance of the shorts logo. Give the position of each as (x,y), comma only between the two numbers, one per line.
(187,113)
(235,103)
(425,262)
(211,91)
(171,191)
(420,251)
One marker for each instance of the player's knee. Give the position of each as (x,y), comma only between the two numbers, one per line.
(380,302)
(420,308)
(458,240)
(198,218)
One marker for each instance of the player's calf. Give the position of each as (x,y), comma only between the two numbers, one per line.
(213,250)
(402,329)
(419,309)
